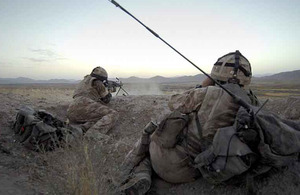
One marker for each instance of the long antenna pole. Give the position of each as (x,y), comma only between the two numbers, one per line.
(237,99)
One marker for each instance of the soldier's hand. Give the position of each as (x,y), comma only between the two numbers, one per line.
(107,98)
(112,89)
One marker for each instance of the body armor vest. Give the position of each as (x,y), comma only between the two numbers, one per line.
(85,88)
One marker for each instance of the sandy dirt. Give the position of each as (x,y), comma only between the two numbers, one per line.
(27,172)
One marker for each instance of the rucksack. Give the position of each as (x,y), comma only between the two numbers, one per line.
(170,128)
(168,150)
(253,145)
(39,130)
(227,157)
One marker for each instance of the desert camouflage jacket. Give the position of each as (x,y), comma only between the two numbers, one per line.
(213,107)
(91,88)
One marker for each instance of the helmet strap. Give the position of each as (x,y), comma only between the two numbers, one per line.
(101,78)
(234,78)
(236,63)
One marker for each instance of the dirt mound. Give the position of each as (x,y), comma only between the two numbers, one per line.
(30,172)
(92,167)
(288,108)
(135,112)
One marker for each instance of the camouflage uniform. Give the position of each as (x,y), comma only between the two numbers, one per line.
(88,108)
(215,109)
(172,150)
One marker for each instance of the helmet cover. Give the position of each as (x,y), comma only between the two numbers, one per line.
(233,68)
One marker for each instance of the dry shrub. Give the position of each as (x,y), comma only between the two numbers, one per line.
(49,95)
(88,167)
(282,181)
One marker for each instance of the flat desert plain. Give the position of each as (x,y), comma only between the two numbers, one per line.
(92,166)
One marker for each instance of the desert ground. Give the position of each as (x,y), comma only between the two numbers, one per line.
(91,166)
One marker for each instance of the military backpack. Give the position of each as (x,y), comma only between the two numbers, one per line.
(39,130)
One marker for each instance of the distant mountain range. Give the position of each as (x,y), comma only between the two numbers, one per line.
(24,80)
(160,79)
(283,76)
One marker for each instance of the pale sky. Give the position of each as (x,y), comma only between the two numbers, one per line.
(45,39)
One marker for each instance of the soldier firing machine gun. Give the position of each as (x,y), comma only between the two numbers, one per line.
(112,85)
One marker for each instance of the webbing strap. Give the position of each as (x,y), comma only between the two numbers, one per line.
(246,73)
(236,63)
(198,124)
(199,127)
(101,78)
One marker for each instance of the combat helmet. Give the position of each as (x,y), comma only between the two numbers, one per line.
(100,73)
(232,68)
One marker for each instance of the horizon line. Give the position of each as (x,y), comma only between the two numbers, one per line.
(254,75)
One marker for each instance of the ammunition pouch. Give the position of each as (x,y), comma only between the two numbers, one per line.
(169,130)
(227,157)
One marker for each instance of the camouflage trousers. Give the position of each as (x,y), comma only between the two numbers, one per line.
(170,164)
(136,170)
(92,115)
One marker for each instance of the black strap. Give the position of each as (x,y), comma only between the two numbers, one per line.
(199,127)
(236,63)
(227,151)
(232,53)
(101,78)
(203,142)
(241,68)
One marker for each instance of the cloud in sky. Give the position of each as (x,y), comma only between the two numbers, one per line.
(44,55)
(61,35)
(44,52)
(37,60)
(5,64)
(9,65)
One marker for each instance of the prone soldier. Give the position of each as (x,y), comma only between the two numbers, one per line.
(90,105)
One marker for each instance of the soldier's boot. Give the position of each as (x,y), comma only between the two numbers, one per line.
(139,152)
(105,123)
(140,181)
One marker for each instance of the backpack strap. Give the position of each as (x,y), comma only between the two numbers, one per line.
(253,98)
(199,127)
(198,124)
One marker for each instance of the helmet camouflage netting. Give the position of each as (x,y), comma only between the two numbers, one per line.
(232,67)
(99,73)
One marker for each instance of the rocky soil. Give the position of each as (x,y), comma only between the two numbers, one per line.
(95,164)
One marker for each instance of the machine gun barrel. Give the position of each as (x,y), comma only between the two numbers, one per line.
(112,85)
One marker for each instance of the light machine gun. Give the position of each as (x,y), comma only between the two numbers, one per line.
(112,85)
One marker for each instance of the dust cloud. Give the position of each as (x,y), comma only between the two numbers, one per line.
(141,89)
